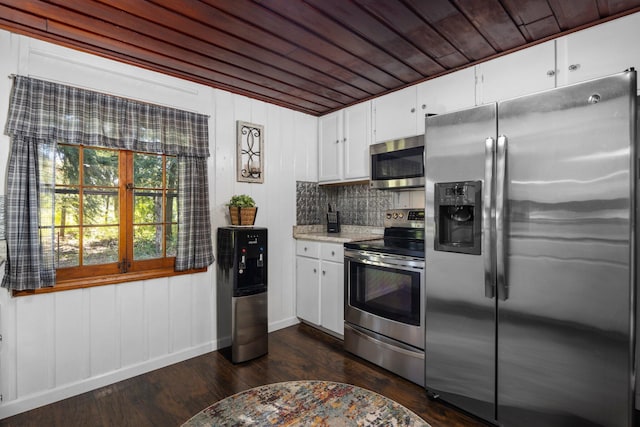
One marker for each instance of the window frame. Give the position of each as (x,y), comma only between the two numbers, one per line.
(125,269)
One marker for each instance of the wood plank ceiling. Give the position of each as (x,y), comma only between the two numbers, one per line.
(314,56)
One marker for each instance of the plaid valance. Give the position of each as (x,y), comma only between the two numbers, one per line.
(47,111)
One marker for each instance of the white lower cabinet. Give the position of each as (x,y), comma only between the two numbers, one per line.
(320,284)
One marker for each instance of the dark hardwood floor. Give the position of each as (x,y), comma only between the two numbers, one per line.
(171,395)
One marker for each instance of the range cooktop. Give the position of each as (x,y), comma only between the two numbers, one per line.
(403,234)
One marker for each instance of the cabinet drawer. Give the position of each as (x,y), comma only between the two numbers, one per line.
(332,252)
(308,248)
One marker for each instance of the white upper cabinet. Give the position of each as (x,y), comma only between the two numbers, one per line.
(523,72)
(344,139)
(402,113)
(599,51)
(357,138)
(330,147)
(395,114)
(444,94)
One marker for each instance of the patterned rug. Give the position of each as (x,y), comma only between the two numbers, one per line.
(306,403)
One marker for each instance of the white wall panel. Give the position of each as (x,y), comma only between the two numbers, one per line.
(71,345)
(130,299)
(179,313)
(156,309)
(104,324)
(202,303)
(35,348)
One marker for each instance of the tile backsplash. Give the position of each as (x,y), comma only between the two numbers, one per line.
(358,204)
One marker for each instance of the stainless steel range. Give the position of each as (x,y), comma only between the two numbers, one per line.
(384,296)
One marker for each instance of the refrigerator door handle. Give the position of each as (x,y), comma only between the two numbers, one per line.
(500,221)
(488,211)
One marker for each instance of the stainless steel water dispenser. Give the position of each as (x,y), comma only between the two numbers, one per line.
(242,290)
(458,217)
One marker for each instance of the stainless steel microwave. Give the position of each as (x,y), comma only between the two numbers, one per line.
(398,163)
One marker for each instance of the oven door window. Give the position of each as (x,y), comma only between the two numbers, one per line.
(386,292)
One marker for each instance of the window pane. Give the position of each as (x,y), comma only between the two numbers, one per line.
(172,172)
(100,245)
(147,207)
(67,250)
(67,165)
(147,170)
(100,167)
(147,242)
(100,207)
(172,206)
(172,240)
(67,207)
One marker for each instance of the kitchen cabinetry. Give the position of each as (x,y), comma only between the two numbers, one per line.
(599,51)
(320,284)
(344,139)
(522,72)
(402,113)
(448,93)
(395,115)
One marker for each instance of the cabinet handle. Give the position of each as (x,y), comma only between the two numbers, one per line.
(315,271)
(413,110)
(305,249)
(333,253)
(324,272)
(551,73)
(574,67)
(344,139)
(337,141)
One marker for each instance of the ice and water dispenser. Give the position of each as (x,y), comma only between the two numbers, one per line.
(242,290)
(458,208)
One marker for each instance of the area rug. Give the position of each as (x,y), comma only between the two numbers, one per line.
(306,403)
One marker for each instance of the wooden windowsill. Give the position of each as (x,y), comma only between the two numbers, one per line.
(112,279)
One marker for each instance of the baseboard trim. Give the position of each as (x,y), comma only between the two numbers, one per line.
(281,324)
(65,391)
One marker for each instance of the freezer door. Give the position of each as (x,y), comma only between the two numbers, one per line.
(564,316)
(460,313)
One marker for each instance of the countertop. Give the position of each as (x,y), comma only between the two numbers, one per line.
(348,233)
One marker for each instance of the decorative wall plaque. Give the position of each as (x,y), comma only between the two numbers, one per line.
(250,164)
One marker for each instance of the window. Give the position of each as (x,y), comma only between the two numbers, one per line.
(116,211)
(92,189)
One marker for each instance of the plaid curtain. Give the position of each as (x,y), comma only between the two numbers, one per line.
(194,227)
(42,114)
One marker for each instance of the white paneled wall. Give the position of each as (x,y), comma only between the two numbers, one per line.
(60,344)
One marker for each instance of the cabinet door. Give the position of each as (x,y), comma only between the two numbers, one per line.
(330,147)
(332,296)
(599,51)
(395,115)
(357,138)
(308,289)
(444,94)
(523,72)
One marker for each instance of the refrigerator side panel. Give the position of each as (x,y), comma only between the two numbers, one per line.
(460,320)
(564,335)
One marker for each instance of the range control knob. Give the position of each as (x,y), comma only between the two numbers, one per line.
(395,215)
(400,215)
(388,215)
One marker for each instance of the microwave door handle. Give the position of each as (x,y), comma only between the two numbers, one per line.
(488,213)
(501,220)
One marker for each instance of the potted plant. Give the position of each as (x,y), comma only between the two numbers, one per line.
(242,210)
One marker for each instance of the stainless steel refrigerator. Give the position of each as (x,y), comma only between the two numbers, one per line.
(530,256)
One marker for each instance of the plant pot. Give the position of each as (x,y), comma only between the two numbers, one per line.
(242,216)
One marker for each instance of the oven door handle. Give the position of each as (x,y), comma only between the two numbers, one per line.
(407,264)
